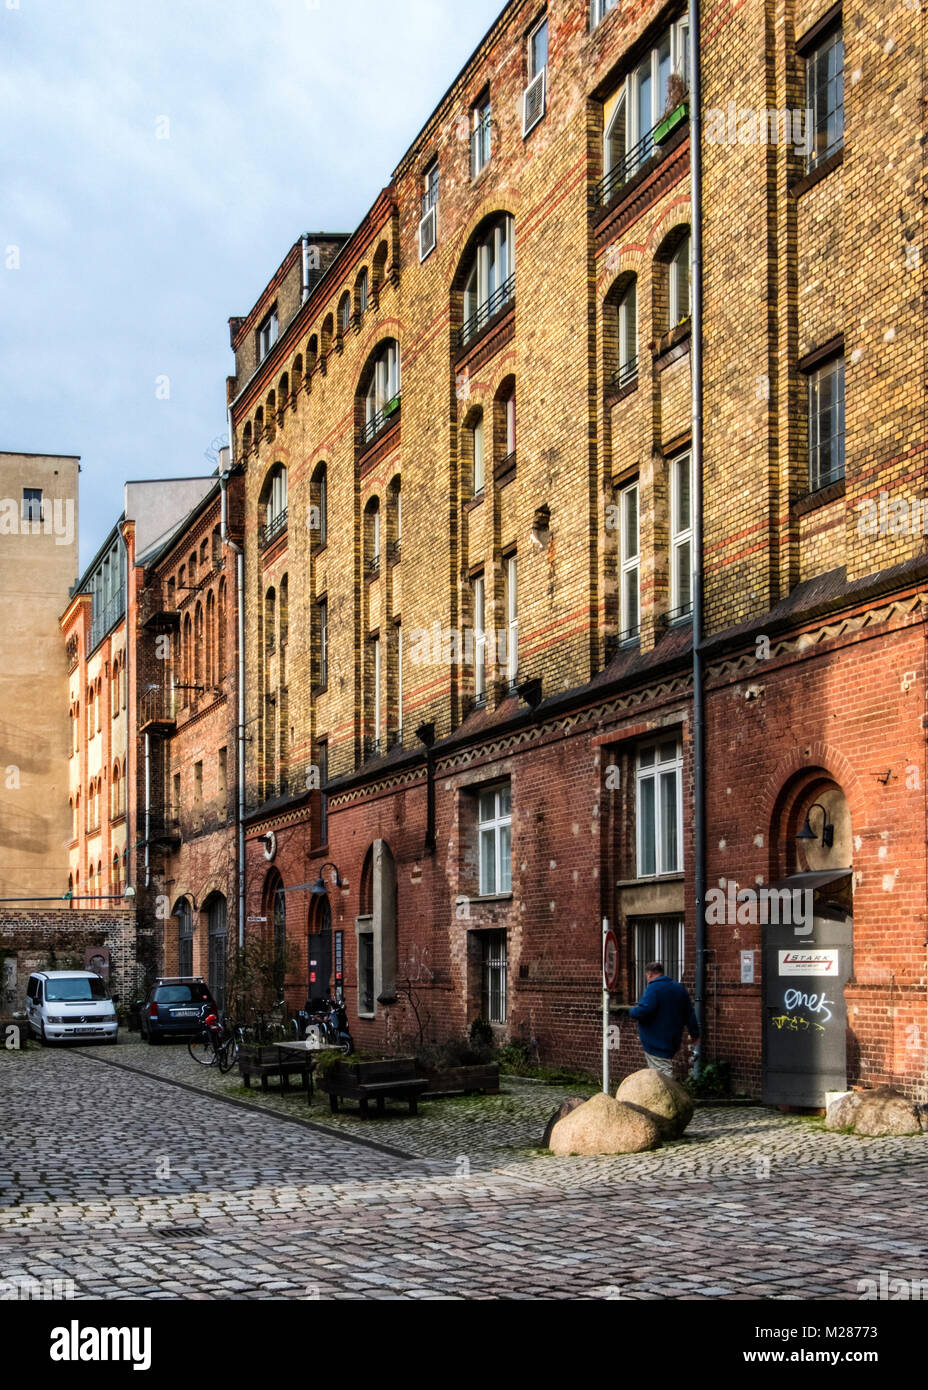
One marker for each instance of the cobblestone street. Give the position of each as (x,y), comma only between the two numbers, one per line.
(132,1185)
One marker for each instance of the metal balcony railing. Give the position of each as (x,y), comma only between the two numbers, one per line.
(627,166)
(394,550)
(492,305)
(275,527)
(625,374)
(157,707)
(381,418)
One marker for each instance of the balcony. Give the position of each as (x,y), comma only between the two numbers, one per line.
(382,419)
(394,551)
(158,711)
(491,306)
(677,616)
(276,527)
(164,828)
(372,567)
(155,614)
(648,150)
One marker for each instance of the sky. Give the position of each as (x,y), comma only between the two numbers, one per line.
(158,160)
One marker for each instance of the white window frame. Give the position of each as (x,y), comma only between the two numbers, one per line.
(494,825)
(364,290)
(510,424)
(681,537)
(599,9)
(480,636)
(628,334)
(480,460)
(494,265)
(537,78)
(482,148)
(268,334)
(512,618)
(428,222)
(675,42)
(679,276)
(277,502)
(386,381)
(832,371)
(629,560)
(653,773)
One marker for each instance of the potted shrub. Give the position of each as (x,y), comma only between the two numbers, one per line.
(462,1066)
(675,111)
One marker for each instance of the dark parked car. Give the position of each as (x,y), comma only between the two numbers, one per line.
(175,1008)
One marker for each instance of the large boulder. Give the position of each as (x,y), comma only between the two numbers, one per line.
(604,1126)
(842,1110)
(664,1099)
(566,1107)
(885,1112)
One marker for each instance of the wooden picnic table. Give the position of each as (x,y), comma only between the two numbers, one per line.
(308,1053)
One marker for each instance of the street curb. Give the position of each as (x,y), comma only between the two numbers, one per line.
(254,1109)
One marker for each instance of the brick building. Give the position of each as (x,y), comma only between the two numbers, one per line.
(187,745)
(470,539)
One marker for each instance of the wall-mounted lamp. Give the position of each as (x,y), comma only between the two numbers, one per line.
(828,829)
(319,889)
(541,527)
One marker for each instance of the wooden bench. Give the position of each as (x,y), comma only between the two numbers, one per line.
(266,1062)
(394,1079)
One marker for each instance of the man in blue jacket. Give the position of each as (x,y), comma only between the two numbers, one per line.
(662,1012)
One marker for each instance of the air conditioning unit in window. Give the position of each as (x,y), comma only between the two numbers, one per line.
(533,102)
(428,233)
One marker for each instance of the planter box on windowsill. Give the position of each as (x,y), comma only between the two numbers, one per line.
(669,124)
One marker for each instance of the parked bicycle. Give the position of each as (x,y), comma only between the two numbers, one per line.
(216,1045)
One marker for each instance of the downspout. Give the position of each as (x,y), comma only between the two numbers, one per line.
(130,746)
(147,809)
(240,618)
(699,710)
(305,287)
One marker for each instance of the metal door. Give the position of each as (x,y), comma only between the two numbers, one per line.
(320,953)
(804,1009)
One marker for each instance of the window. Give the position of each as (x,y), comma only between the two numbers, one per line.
(223,783)
(659,809)
(678,286)
(364,293)
(512,619)
(681,536)
(217,948)
(395,521)
(319,518)
(599,10)
(628,336)
(480,140)
(533,102)
(629,563)
(365,972)
(480,639)
(494,976)
(510,406)
(344,314)
(479,473)
(490,283)
(197,791)
(184,917)
(32,504)
(115,794)
(826,424)
(657,939)
(267,334)
(428,225)
(372,538)
(280,937)
(322,609)
(825,97)
(494,827)
(276,504)
(655,88)
(383,394)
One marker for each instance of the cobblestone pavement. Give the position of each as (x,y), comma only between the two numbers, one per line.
(130,1186)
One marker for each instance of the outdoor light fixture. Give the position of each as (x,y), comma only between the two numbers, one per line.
(530,692)
(828,830)
(319,889)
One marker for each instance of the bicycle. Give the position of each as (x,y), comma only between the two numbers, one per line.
(215,1046)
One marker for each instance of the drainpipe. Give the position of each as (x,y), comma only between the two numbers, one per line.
(130,745)
(147,809)
(699,711)
(240,617)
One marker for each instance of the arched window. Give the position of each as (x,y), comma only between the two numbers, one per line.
(504,428)
(275,908)
(186,654)
(270,620)
(488,275)
(116,793)
(395,520)
(384,386)
(473,454)
(283,617)
(344,314)
(362,294)
(296,378)
(274,503)
(217,547)
(114,688)
(90,712)
(620,332)
(221,632)
(210,638)
(270,415)
(115,876)
(380,266)
(319,502)
(217,928)
(192,569)
(678,289)
(328,328)
(184,915)
(283,395)
(246,439)
(259,425)
(99,702)
(198,645)
(372,537)
(312,356)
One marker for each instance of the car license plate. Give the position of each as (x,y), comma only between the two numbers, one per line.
(184,1013)
(82,1031)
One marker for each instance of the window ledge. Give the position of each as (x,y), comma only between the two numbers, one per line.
(654,878)
(615,394)
(492,898)
(814,176)
(821,498)
(473,502)
(672,345)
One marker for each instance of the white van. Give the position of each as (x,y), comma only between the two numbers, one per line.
(62,1004)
